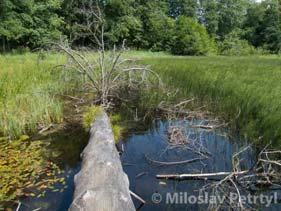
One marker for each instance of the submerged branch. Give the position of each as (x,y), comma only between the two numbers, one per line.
(203,175)
(174,163)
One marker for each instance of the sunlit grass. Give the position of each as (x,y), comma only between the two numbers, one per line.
(246,90)
(28,92)
(249,86)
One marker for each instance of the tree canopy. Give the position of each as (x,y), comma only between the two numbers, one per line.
(158,25)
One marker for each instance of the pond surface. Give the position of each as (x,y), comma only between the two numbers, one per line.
(68,143)
(140,147)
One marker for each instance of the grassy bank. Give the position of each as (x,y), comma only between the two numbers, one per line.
(246,86)
(28,92)
(246,89)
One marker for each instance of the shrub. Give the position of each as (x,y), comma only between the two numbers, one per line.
(191,38)
(233,45)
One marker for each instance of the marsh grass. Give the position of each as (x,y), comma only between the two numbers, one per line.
(28,92)
(246,90)
(248,86)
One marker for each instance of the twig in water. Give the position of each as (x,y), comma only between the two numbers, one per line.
(137,197)
(141,174)
(19,205)
(173,163)
(204,175)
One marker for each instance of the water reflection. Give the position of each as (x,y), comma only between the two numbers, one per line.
(153,144)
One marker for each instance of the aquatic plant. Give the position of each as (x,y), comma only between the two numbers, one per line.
(25,168)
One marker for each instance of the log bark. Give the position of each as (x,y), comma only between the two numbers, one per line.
(101,185)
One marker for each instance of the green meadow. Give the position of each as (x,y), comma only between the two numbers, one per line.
(244,90)
(29,88)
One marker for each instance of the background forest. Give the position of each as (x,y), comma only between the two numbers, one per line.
(182,27)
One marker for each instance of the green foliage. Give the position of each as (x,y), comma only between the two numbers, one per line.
(121,22)
(143,24)
(25,169)
(90,115)
(231,15)
(27,93)
(245,90)
(117,132)
(191,38)
(158,28)
(211,16)
(263,25)
(115,119)
(117,129)
(186,8)
(29,23)
(232,45)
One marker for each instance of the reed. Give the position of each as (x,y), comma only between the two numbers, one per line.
(246,90)
(28,92)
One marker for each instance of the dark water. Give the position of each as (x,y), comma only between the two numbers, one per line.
(68,143)
(54,200)
(152,144)
(140,146)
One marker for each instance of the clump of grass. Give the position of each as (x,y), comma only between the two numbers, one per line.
(92,112)
(28,90)
(90,115)
(117,132)
(115,118)
(117,129)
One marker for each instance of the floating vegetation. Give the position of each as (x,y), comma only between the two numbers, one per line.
(26,169)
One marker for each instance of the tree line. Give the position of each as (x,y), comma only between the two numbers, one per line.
(183,27)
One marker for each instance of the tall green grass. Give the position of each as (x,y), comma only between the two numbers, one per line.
(248,86)
(28,88)
(246,90)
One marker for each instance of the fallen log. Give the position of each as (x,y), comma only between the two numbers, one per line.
(101,184)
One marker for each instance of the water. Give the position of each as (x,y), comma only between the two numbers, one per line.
(140,146)
(53,201)
(68,143)
(152,144)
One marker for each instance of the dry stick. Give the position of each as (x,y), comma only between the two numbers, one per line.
(206,127)
(189,176)
(46,129)
(238,192)
(205,154)
(184,102)
(271,162)
(174,163)
(141,174)
(137,197)
(19,205)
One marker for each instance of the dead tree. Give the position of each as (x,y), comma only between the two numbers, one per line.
(106,71)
